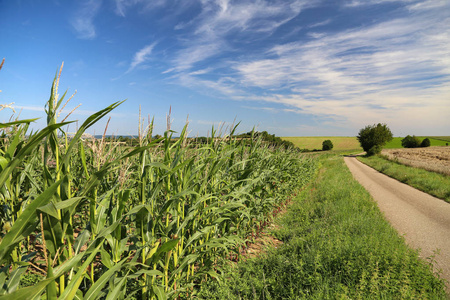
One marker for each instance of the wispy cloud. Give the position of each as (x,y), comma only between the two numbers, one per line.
(141,57)
(385,70)
(222,19)
(123,5)
(323,23)
(430,4)
(355,3)
(393,71)
(83,20)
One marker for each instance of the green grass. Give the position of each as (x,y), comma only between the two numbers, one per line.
(337,245)
(397,142)
(348,143)
(432,183)
(442,138)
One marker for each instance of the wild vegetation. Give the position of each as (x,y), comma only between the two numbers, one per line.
(336,244)
(90,219)
(270,139)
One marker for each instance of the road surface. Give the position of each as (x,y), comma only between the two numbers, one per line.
(422,219)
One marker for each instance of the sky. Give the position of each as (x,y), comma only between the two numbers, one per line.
(290,67)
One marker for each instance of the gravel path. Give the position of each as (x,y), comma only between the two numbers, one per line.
(423,219)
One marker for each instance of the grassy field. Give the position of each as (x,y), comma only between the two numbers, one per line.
(443,138)
(432,183)
(397,142)
(342,143)
(315,142)
(336,244)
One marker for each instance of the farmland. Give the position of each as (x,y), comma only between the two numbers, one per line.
(351,143)
(315,142)
(435,159)
(97,219)
(397,142)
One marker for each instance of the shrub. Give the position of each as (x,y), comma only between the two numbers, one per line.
(373,137)
(374,150)
(411,142)
(425,143)
(327,145)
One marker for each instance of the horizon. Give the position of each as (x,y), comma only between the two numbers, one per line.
(291,68)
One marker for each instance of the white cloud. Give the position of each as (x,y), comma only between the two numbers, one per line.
(141,56)
(221,19)
(83,20)
(394,71)
(356,3)
(323,23)
(430,4)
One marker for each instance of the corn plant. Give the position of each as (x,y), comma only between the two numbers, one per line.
(97,219)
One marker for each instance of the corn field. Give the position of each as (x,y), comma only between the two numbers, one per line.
(94,219)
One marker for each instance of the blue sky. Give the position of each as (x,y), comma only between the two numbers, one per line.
(291,67)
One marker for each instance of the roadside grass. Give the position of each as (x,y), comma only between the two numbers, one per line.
(432,183)
(336,245)
(315,142)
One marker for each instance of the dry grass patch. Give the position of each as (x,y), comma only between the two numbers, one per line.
(435,159)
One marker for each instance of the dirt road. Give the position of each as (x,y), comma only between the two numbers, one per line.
(422,219)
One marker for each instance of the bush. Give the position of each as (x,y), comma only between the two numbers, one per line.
(327,145)
(411,142)
(425,143)
(373,137)
(374,150)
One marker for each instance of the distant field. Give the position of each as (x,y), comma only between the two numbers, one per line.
(351,143)
(443,138)
(397,141)
(315,142)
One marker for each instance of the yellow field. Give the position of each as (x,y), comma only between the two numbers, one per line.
(315,142)
(435,159)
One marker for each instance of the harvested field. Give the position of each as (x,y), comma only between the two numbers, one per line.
(315,142)
(435,159)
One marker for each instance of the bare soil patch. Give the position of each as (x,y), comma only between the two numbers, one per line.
(435,159)
(262,244)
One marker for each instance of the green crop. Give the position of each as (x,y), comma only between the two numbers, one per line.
(98,219)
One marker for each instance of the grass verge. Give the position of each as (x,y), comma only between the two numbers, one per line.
(336,245)
(432,183)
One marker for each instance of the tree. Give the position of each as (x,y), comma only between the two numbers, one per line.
(327,145)
(411,142)
(373,137)
(425,143)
